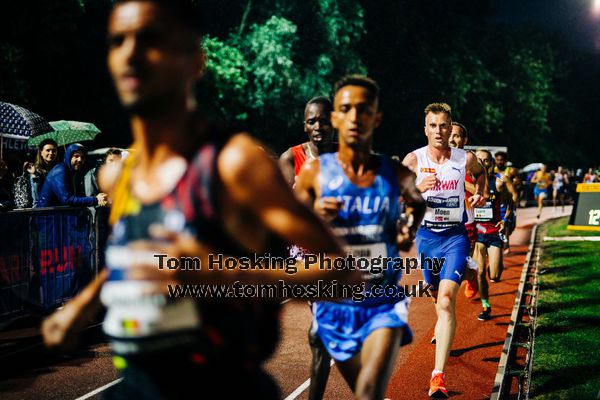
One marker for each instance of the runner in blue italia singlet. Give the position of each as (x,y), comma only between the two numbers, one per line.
(367,223)
(357,192)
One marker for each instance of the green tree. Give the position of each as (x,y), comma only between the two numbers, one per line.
(264,70)
(226,76)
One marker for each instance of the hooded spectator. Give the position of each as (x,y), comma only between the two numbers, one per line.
(64,183)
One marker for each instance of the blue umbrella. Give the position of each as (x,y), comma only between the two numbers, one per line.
(19,123)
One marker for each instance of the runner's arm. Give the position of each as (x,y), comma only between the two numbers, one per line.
(410,161)
(511,188)
(61,329)
(308,191)
(478,172)
(469,187)
(412,197)
(306,188)
(286,163)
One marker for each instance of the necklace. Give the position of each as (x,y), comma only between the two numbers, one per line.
(310,152)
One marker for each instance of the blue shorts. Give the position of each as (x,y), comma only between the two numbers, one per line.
(452,245)
(490,240)
(343,328)
(537,191)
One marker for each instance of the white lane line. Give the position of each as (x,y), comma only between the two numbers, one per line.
(100,389)
(301,388)
(572,239)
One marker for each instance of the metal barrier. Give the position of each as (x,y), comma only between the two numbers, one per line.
(47,255)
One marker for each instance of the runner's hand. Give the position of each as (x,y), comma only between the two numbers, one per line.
(477,200)
(328,208)
(428,183)
(60,331)
(501,226)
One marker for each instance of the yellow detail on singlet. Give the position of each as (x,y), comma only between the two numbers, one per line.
(124,203)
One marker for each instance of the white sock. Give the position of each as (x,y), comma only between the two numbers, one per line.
(436,371)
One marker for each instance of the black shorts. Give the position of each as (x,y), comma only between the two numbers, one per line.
(490,240)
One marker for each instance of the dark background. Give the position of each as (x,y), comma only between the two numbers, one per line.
(522,74)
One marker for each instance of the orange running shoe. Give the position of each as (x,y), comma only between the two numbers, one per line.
(437,386)
(471,287)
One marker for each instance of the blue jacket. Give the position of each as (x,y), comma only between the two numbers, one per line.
(60,187)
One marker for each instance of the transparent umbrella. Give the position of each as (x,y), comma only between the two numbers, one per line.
(532,167)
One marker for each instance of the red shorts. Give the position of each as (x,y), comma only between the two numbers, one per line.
(472,233)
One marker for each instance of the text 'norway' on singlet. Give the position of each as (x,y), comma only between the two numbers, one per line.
(446,201)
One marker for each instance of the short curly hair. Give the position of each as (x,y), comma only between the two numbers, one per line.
(358,80)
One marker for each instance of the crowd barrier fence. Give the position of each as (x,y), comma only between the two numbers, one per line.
(47,256)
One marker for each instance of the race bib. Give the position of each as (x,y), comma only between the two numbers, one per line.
(485,213)
(137,310)
(443,212)
(369,251)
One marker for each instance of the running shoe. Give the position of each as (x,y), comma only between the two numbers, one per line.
(437,386)
(486,314)
(471,286)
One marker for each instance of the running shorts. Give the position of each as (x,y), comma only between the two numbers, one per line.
(344,327)
(492,239)
(452,246)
